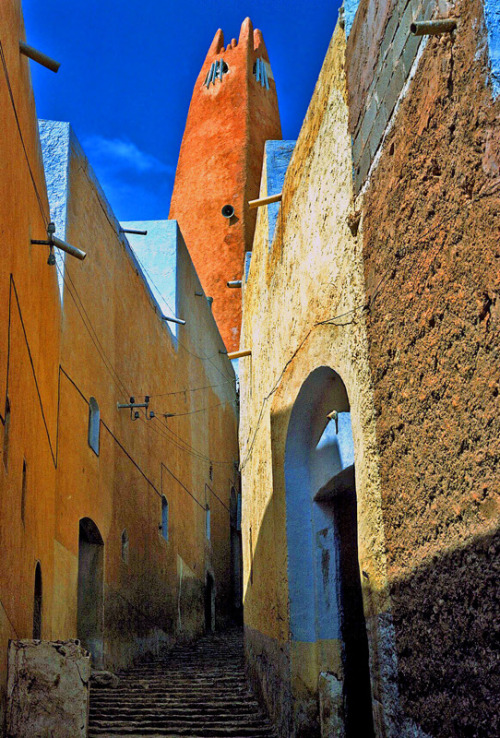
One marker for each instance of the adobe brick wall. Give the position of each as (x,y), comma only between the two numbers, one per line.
(379,56)
(430,224)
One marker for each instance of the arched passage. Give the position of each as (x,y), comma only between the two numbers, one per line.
(91,589)
(37,603)
(327,623)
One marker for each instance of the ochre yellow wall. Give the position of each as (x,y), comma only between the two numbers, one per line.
(29,349)
(312,272)
(145,601)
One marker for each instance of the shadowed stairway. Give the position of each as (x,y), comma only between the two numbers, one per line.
(196,690)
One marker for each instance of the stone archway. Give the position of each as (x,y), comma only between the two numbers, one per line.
(329,644)
(90,618)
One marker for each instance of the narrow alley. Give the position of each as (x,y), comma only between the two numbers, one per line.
(195,690)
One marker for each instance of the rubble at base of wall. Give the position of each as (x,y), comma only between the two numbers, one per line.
(47,689)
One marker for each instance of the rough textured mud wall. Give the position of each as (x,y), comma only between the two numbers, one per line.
(48,689)
(431,228)
(297,287)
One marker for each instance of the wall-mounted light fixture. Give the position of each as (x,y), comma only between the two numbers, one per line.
(134,407)
(234,284)
(59,244)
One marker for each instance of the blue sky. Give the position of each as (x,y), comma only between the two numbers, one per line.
(128,68)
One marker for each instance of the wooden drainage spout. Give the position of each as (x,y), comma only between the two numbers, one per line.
(239,354)
(264,201)
(433,27)
(38,57)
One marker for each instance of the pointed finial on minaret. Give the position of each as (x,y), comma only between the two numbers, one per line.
(246,31)
(217,44)
(258,43)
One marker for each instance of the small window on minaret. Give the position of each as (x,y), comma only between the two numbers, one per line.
(260,71)
(217,70)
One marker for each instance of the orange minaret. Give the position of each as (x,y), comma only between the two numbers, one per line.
(233,112)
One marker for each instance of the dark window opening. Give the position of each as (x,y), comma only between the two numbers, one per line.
(164,517)
(207,523)
(23,491)
(6,433)
(260,72)
(217,70)
(125,546)
(94,422)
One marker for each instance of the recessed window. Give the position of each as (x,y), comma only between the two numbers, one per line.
(207,522)
(94,423)
(125,546)
(164,517)
(6,433)
(260,72)
(24,485)
(217,70)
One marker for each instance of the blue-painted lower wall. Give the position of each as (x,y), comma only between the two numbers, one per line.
(492,18)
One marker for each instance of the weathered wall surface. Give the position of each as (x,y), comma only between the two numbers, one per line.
(220,163)
(132,352)
(395,290)
(93,329)
(48,689)
(430,245)
(379,57)
(311,274)
(29,350)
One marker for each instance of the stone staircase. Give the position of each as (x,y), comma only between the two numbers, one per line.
(196,691)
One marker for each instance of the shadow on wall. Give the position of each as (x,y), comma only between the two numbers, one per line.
(446,627)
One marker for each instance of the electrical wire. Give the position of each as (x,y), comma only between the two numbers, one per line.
(114,375)
(78,302)
(196,389)
(100,350)
(187,447)
(196,356)
(199,410)
(45,218)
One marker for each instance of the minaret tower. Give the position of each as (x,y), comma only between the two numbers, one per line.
(233,112)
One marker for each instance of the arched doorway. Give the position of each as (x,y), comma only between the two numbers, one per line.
(91,590)
(209,604)
(37,603)
(327,624)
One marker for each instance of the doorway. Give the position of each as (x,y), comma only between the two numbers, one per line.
(327,621)
(90,619)
(209,604)
(37,603)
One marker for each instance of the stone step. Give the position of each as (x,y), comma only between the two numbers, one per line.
(142,729)
(196,691)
